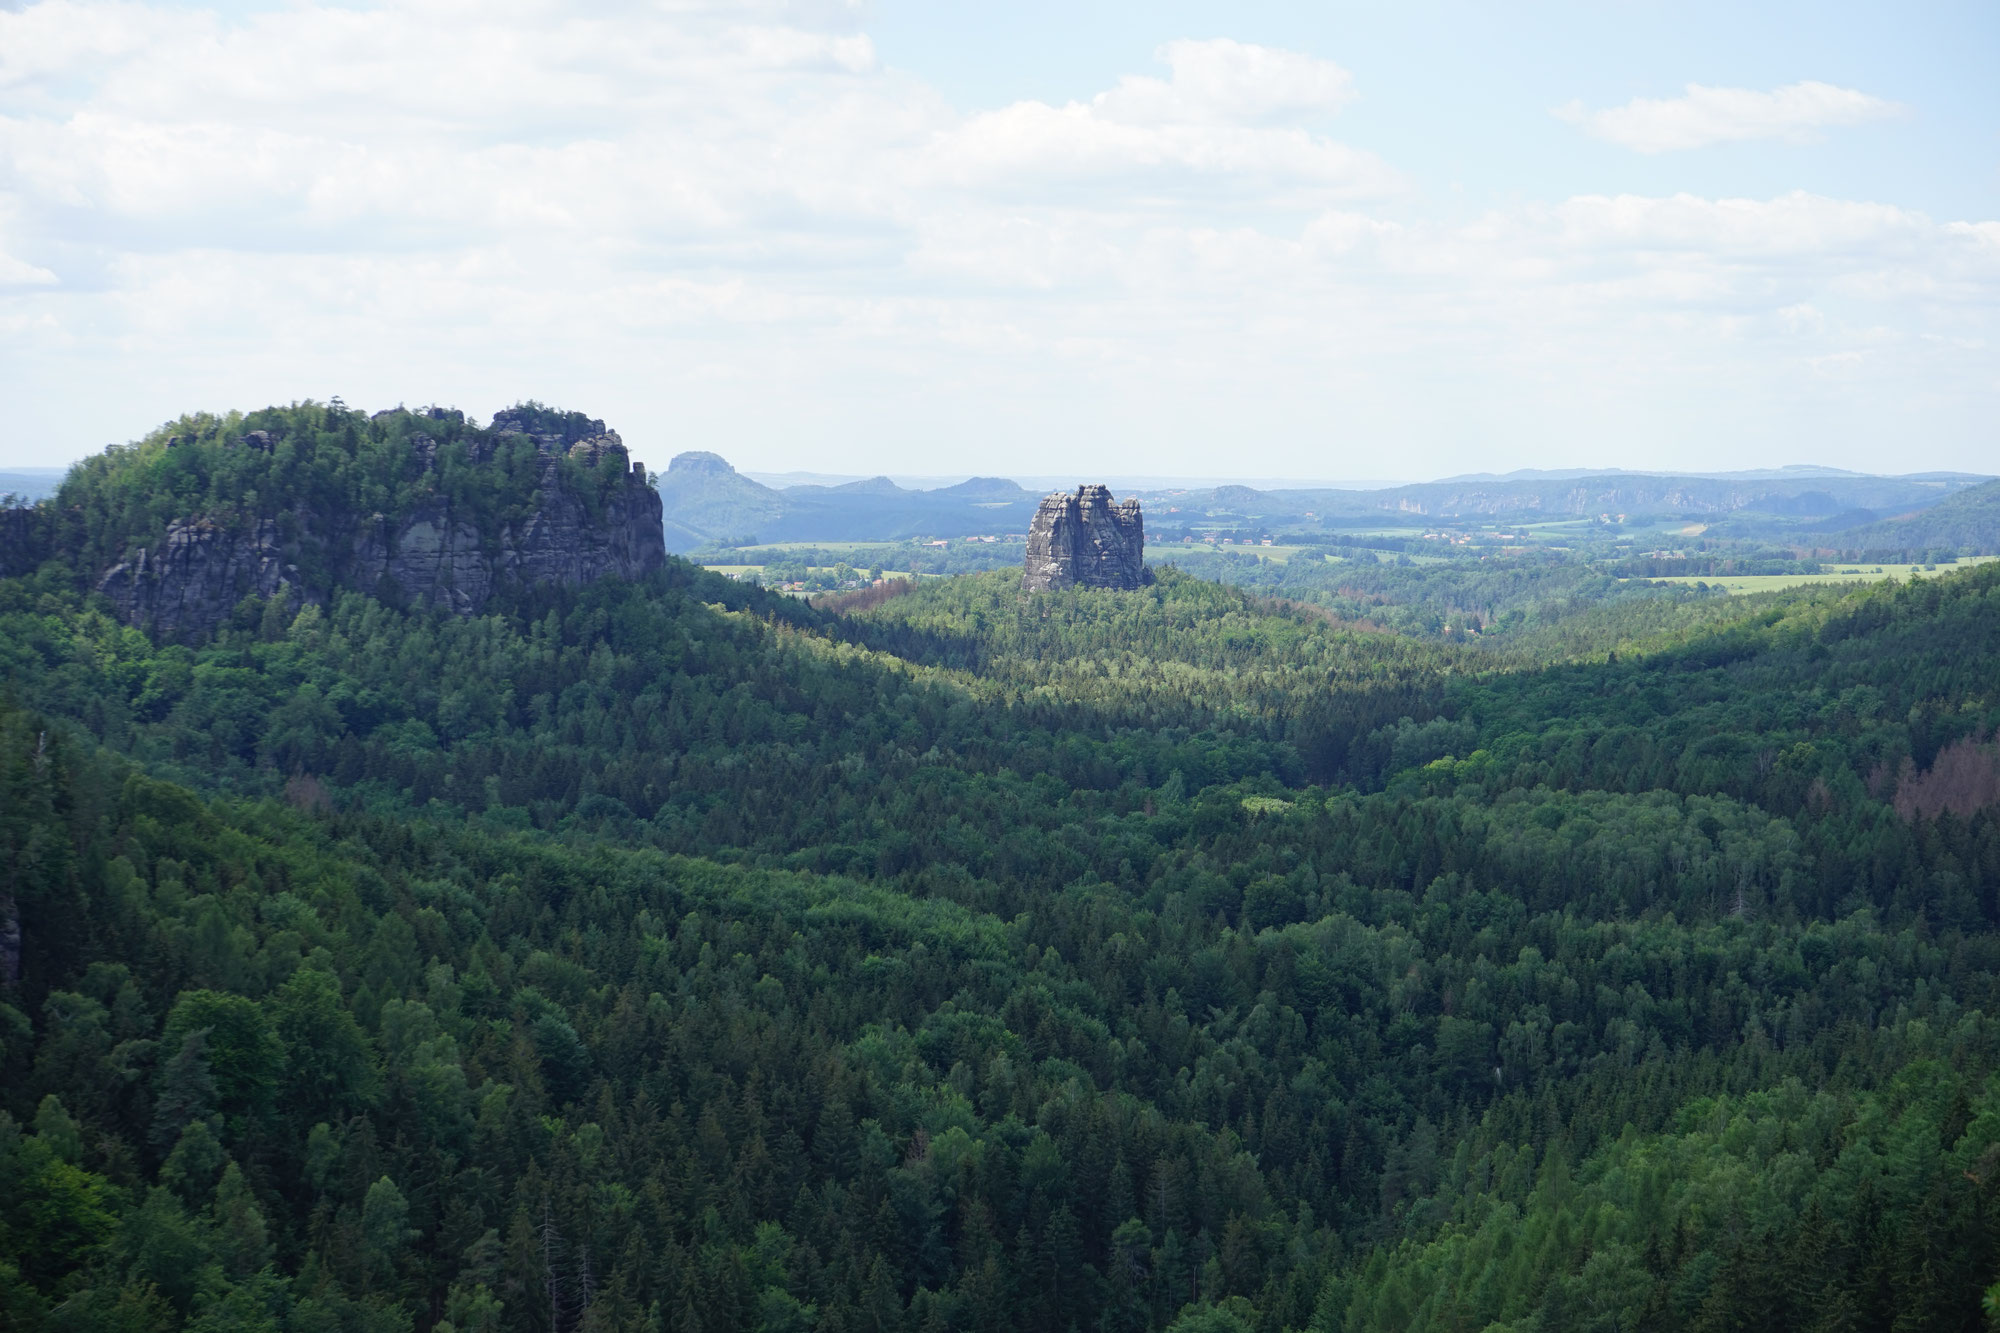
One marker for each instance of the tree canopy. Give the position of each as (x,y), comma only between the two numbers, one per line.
(672,955)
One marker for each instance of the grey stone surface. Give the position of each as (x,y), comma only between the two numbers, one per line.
(1083,540)
(194,579)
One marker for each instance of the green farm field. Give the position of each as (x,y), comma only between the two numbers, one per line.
(737,571)
(848,550)
(1749,583)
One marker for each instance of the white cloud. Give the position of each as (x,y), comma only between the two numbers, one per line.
(20,273)
(1790,225)
(1229,110)
(1226,81)
(16,272)
(1078,142)
(734,227)
(1707,115)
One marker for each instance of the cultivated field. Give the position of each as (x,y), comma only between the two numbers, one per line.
(1748,583)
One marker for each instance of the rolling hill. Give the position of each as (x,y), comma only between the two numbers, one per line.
(1967,522)
(709,503)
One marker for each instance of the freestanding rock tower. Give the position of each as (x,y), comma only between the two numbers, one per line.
(1083,540)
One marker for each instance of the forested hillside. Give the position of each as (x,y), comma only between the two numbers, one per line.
(1968,521)
(669,955)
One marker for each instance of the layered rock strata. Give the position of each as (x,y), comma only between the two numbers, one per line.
(1085,541)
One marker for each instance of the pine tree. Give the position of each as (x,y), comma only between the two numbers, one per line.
(187,1090)
(242,1239)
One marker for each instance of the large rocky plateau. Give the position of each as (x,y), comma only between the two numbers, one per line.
(598,517)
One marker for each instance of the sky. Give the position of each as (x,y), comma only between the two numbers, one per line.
(1256,239)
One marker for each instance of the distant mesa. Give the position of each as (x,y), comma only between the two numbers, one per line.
(698,461)
(984,488)
(709,503)
(1084,541)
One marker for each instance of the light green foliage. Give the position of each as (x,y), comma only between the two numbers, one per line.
(1265,805)
(1236,1317)
(57,1132)
(57,1215)
(474,1309)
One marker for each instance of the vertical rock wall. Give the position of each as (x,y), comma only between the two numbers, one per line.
(195,577)
(1083,540)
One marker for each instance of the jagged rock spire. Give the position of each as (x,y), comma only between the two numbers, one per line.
(1084,540)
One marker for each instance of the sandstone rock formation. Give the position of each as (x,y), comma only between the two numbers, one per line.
(1083,540)
(195,578)
(192,581)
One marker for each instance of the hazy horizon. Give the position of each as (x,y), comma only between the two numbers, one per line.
(1155,482)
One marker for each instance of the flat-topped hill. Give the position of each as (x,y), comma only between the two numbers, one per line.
(297,503)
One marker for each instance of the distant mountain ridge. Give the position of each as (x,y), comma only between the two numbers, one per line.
(1790,471)
(708,502)
(30,483)
(1967,522)
(1633,492)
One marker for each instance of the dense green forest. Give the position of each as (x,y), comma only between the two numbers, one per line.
(1505,599)
(673,955)
(1969,521)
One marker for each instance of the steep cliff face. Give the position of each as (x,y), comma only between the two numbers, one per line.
(1083,540)
(193,579)
(590,514)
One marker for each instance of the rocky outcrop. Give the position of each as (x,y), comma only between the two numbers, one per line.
(432,557)
(193,580)
(1083,540)
(440,558)
(435,555)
